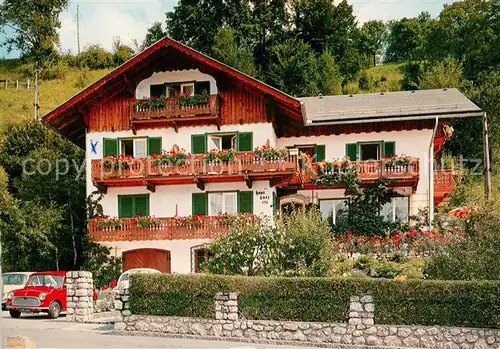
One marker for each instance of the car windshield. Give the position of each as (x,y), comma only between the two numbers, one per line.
(13,279)
(125,277)
(45,280)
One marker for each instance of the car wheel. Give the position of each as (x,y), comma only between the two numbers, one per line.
(54,310)
(14,313)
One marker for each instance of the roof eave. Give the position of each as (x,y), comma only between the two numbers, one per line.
(389,118)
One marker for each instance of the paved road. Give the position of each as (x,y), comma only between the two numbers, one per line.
(61,334)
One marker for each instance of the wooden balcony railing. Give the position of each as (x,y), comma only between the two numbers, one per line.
(371,170)
(173,109)
(195,165)
(444,184)
(167,229)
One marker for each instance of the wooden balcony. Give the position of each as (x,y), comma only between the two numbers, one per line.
(167,229)
(145,171)
(444,184)
(368,173)
(174,114)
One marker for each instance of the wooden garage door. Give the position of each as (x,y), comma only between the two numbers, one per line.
(147,258)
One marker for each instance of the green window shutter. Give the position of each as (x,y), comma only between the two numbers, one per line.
(154,145)
(141,205)
(157,90)
(110,146)
(245,201)
(199,203)
(245,141)
(198,144)
(126,206)
(389,148)
(275,204)
(319,153)
(351,150)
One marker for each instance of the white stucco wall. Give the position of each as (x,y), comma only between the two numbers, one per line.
(168,200)
(261,133)
(411,142)
(143,90)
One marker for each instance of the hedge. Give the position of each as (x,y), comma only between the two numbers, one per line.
(411,302)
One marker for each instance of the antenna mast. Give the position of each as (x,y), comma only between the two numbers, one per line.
(78,27)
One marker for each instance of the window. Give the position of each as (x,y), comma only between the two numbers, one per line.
(397,210)
(201,255)
(187,89)
(219,203)
(130,206)
(55,281)
(14,279)
(173,90)
(315,152)
(333,208)
(133,147)
(369,151)
(157,91)
(222,142)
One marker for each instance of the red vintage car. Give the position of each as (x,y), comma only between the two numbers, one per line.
(44,292)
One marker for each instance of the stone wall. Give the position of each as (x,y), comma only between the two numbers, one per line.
(79,288)
(359,331)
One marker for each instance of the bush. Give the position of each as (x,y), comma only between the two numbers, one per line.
(95,57)
(477,256)
(412,302)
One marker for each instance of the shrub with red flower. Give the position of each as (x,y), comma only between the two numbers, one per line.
(195,220)
(145,221)
(150,103)
(176,156)
(108,222)
(239,218)
(269,153)
(216,155)
(398,160)
(120,162)
(417,240)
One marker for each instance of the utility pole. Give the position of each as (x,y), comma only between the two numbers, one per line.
(486,159)
(35,103)
(78,27)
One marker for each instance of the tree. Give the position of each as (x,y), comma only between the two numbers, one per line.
(373,34)
(30,26)
(227,51)
(468,31)
(96,57)
(329,81)
(407,38)
(47,171)
(292,68)
(153,34)
(121,52)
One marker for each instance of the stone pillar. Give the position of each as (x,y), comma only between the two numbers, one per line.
(122,308)
(79,296)
(226,306)
(362,310)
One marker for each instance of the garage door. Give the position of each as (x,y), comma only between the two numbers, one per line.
(147,258)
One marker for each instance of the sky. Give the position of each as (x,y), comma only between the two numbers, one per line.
(100,21)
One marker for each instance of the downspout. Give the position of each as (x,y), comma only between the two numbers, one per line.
(431,175)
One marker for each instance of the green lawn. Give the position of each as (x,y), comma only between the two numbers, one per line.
(17,105)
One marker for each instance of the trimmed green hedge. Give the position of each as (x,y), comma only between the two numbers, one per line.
(412,302)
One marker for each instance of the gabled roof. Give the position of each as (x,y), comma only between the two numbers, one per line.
(70,120)
(386,107)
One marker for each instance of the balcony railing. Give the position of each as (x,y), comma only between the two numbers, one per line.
(444,184)
(165,229)
(369,171)
(174,109)
(195,165)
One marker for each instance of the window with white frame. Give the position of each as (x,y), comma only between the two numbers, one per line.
(226,202)
(136,147)
(333,208)
(187,89)
(222,141)
(396,210)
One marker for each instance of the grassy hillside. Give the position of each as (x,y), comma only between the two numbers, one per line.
(382,78)
(17,105)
